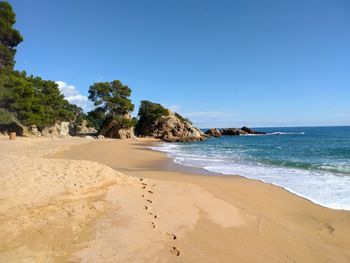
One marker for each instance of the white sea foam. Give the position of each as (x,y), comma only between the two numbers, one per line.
(286,133)
(275,133)
(321,187)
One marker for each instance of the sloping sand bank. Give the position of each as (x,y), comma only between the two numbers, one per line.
(82,210)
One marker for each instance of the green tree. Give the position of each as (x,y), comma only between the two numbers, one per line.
(9,37)
(113,106)
(96,118)
(32,100)
(112,97)
(35,101)
(148,113)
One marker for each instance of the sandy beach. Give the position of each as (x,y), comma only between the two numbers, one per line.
(80,200)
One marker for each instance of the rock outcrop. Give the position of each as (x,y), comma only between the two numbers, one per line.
(126,133)
(34,130)
(9,123)
(58,130)
(251,131)
(172,128)
(113,129)
(82,129)
(14,126)
(213,132)
(232,131)
(236,131)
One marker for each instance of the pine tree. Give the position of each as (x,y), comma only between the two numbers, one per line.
(9,37)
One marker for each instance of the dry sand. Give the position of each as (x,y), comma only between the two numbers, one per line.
(146,209)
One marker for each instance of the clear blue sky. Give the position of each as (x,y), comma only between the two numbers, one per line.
(220,63)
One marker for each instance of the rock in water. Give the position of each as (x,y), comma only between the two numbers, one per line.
(251,131)
(213,132)
(236,131)
(232,131)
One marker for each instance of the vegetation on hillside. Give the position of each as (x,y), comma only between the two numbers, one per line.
(112,104)
(35,101)
(32,100)
(183,119)
(5,116)
(148,113)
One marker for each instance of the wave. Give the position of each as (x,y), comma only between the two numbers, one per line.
(321,186)
(275,133)
(342,168)
(285,133)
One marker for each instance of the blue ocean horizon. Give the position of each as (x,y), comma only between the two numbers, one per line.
(312,162)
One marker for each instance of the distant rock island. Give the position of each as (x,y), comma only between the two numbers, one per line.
(214,132)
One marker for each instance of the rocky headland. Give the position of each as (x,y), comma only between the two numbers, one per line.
(171,127)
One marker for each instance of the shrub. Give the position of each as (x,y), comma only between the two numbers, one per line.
(183,119)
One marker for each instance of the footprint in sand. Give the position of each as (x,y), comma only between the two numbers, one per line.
(150,192)
(174,251)
(172,236)
(326,227)
(149,201)
(153,215)
(145,207)
(153,225)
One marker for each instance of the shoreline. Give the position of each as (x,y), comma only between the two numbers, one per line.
(120,201)
(256,198)
(199,171)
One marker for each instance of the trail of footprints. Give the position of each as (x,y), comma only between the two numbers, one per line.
(173,250)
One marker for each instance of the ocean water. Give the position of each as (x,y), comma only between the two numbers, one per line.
(313,162)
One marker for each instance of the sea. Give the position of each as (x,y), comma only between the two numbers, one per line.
(312,162)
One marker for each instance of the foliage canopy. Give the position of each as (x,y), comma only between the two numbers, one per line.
(32,100)
(111,97)
(35,101)
(113,105)
(9,37)
(148,113)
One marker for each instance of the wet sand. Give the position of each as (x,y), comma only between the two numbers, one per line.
(274,224)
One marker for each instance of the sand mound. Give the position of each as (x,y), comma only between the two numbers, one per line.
(48,205)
